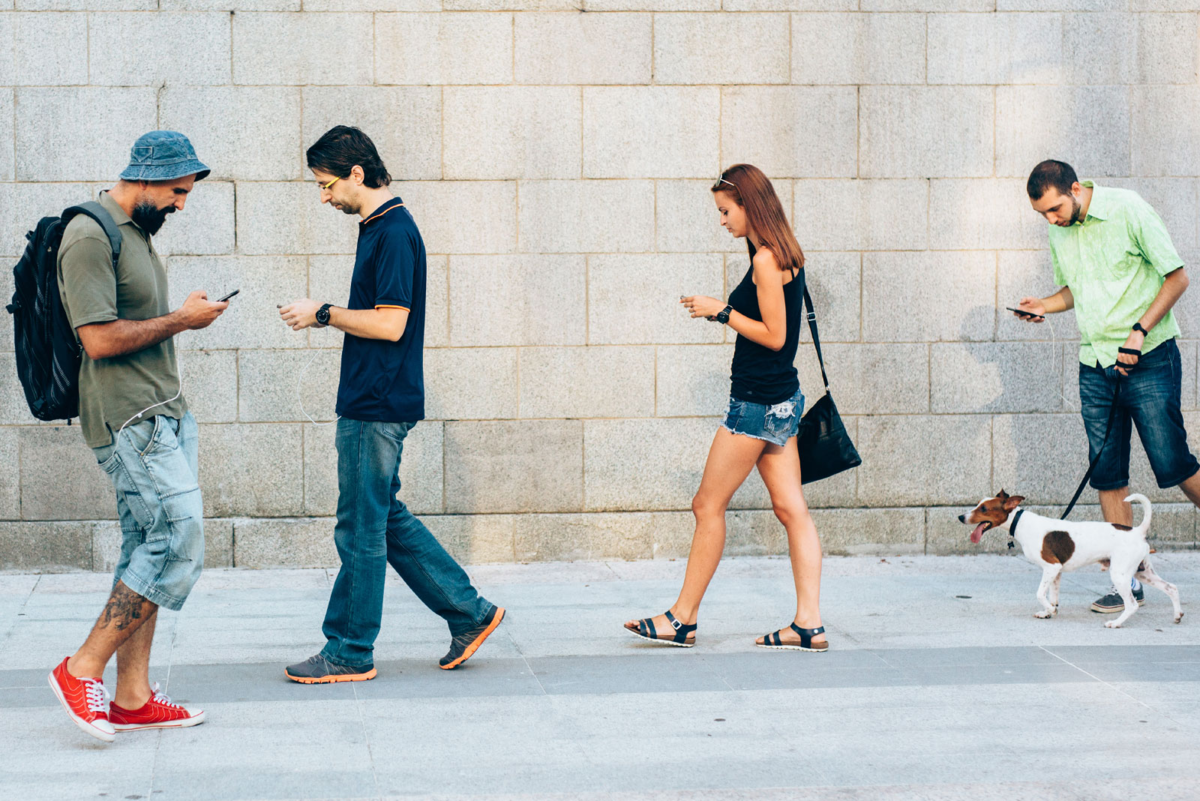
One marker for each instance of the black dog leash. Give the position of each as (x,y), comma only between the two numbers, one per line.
(1112,416)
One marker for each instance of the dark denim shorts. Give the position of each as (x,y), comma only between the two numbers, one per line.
(1150,400)
(775,423)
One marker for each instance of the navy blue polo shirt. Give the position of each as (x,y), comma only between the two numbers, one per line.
(383,380)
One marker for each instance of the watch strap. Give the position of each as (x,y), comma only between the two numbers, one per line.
(1138,327)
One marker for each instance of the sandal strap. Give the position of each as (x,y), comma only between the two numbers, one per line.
(647,627)
(806,635)
(682,630)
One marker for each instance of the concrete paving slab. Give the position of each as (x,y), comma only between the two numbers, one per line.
(924,694)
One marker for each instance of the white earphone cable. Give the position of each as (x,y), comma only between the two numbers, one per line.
(300,387)
(148,408)
(1059,358)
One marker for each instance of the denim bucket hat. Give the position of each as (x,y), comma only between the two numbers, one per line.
(163,156)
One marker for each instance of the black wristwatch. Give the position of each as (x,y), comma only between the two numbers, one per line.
(723,315)
(1138,327)
(323,314)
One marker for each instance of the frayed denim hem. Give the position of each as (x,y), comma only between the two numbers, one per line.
(752,436)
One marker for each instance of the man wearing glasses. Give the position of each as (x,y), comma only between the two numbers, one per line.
(381,396)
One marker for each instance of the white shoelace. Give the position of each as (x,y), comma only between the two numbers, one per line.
(97,695)
(162,698)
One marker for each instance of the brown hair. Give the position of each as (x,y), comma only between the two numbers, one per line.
(752,191)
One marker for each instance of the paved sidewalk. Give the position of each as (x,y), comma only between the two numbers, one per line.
(940,685)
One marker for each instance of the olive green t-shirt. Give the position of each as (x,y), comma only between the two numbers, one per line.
(113,390)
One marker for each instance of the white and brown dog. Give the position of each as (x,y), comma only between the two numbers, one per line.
(1059,545)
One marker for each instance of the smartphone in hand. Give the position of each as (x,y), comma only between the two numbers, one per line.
(1023,313)
(227,297)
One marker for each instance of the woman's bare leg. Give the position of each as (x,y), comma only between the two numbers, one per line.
(780,471)
(730,460)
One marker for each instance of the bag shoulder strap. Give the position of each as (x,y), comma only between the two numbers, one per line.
(103,219)
(816,338)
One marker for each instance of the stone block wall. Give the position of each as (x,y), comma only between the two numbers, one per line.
(557,155)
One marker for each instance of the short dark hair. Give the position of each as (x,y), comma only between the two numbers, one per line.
(1050,173)
(344,147)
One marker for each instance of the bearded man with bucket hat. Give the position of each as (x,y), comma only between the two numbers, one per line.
(136,421)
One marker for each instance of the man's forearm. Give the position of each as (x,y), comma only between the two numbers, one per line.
(370,323)
(122,337)
(1168,295)
(1060,301)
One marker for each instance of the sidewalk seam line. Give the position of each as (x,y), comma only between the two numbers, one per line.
(1096,678)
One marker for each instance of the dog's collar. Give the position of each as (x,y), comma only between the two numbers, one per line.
(1012,529)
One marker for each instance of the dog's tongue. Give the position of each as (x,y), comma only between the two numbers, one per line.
(977,534)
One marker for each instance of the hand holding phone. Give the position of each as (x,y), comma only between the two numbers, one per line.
(227,297)
(1026,314)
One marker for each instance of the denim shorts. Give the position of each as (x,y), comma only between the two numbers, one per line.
(1150,400)
(775,423)
(153,467)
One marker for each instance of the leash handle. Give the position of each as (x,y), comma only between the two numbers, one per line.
(1112,416)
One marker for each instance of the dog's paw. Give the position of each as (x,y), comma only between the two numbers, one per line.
(1179,618)
(1112,624)
(1043,615)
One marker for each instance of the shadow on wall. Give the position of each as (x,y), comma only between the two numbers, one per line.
(1039,448)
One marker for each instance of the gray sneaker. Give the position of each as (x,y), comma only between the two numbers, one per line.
(465,644)
(1111,604)
(319,670)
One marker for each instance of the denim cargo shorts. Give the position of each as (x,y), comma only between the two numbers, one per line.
(153,466)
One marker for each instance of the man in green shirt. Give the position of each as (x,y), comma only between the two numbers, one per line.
(134,417)
(1120,272)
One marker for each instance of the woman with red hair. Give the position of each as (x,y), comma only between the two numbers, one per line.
(762,419)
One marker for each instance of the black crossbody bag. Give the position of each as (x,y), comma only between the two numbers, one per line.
(825,447)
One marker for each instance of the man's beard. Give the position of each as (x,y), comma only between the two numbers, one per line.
(149,217)
(1075,208)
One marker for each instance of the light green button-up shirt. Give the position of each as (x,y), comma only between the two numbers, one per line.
(1114,263)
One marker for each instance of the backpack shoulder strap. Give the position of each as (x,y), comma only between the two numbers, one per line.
(103,219)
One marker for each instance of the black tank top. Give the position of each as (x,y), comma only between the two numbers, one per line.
(759,374)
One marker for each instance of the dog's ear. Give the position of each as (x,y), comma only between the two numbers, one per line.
(1013,502)
(1003,495)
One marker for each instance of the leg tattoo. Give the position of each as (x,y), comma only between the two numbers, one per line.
(123,608)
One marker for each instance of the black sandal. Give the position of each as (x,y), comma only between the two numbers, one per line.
(774,641)
(684,636)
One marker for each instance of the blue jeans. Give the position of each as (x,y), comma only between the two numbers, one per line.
(374,529)
(1149,399)
(153,467)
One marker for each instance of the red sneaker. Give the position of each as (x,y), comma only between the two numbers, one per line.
(160,712)
(86,701)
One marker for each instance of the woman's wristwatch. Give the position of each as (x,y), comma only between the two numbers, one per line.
(1138,327)
(323,314)
(723,315)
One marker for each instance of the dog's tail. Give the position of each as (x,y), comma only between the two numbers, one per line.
(1144,527)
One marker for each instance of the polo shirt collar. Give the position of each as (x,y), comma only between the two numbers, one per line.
(1099,207)
(118,214)
(379,212)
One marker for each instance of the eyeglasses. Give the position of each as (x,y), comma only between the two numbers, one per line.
(325,187)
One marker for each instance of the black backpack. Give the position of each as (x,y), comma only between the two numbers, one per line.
(48,353)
